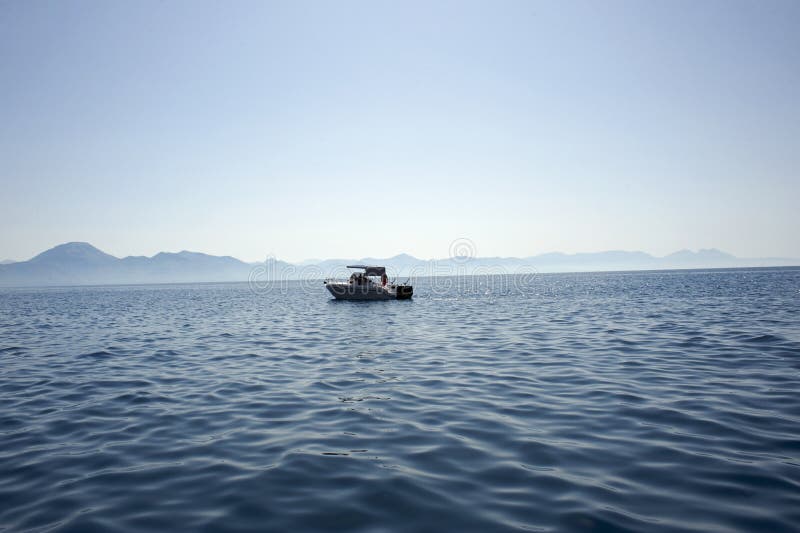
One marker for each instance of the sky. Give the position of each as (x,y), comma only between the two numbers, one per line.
(352,129)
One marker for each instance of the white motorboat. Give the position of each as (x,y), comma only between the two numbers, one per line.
(370,284)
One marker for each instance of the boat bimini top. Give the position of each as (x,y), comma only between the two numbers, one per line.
(370,270)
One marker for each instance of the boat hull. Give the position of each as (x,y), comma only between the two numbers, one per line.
(350,291)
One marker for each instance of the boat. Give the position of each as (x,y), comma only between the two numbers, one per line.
(370,283)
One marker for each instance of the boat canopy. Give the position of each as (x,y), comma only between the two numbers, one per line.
(370,270)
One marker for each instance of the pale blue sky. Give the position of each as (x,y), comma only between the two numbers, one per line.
(350,129)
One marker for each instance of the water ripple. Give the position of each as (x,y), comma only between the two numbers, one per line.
(659,401)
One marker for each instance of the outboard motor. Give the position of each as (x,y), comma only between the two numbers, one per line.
(404,292)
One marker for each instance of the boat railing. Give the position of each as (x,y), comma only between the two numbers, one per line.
(369,283)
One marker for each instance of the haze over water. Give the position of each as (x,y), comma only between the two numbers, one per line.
(655,401)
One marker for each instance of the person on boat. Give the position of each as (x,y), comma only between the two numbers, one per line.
(384,279)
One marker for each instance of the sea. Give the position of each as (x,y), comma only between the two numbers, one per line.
(639,401)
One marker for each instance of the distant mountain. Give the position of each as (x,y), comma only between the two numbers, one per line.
(80,263)
(403,265)
(611,260)
(708,255)
(622,260)
(73,253)
(7,262)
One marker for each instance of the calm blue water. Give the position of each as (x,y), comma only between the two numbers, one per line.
(665,401)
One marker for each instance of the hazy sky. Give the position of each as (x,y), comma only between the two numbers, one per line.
(350,129)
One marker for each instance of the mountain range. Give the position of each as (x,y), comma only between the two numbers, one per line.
(80,263)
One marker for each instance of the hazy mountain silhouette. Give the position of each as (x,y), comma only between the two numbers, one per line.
(80,263)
